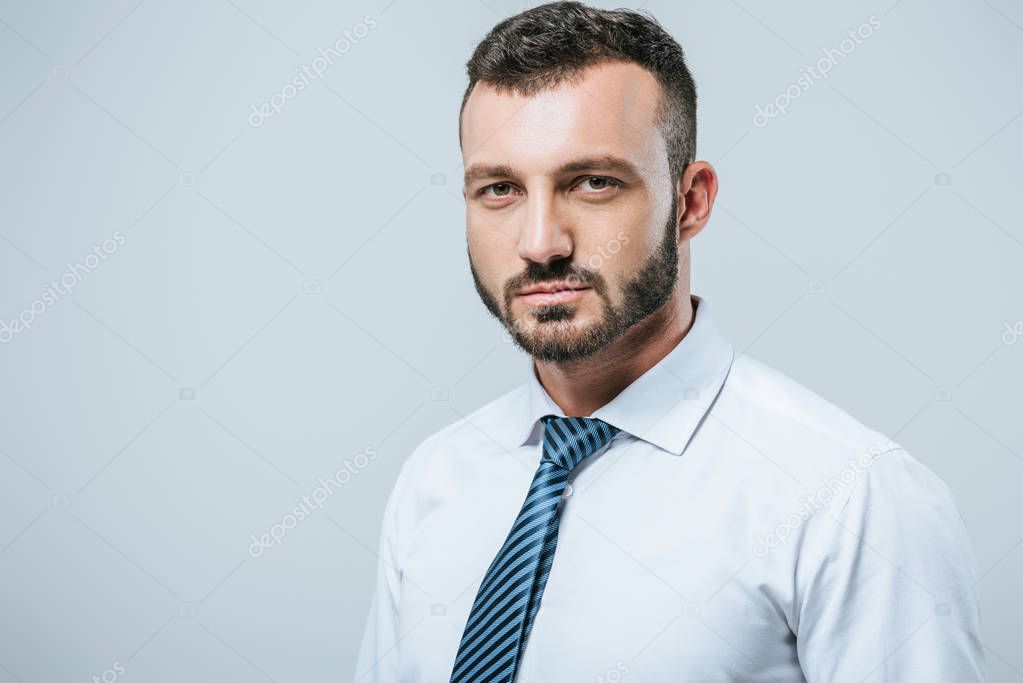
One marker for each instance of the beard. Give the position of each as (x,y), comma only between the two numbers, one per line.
(554,338)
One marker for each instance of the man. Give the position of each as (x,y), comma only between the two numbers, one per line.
(647,505)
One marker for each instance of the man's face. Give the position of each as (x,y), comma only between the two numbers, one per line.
(569,190)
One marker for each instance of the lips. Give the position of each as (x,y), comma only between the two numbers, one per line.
(550,288)
(552,293)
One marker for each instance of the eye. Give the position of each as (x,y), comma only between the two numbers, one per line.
(598,184)
(499,190)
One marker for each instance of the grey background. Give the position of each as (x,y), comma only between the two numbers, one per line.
(290,294)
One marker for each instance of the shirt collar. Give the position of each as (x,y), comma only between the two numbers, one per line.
(663,406)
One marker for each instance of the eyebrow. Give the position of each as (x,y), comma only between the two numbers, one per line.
(608,162)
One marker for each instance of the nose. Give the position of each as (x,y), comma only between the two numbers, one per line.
(546,235)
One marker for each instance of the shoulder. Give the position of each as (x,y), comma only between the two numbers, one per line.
(891,561)
(897,531)
(440,457)
(857,483)
(802,432)
(904,508)
(771,394)
(782,405)
(486,427)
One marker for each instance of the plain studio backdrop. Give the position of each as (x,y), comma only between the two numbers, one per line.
(218,288)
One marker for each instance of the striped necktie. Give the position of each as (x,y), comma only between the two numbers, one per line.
(509,596)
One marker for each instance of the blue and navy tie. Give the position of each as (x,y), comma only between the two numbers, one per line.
(502,615)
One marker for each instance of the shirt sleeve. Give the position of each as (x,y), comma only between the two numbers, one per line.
(886,583)
(378,652)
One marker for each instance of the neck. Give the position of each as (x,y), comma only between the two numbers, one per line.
(581,387)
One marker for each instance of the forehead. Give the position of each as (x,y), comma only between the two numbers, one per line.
(610,110)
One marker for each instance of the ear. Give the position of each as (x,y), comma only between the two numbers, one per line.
(697,189)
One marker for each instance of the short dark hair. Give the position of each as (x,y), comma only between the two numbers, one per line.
(547,45)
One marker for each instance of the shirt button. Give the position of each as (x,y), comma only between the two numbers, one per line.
(567,492)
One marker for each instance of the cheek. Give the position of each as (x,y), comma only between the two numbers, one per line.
(492,255)
(616,252)
(638,237)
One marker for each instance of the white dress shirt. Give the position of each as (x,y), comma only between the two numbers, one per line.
(738,528)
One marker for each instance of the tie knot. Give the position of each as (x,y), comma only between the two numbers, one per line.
(567,440)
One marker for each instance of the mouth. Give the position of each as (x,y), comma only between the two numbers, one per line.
(552,293)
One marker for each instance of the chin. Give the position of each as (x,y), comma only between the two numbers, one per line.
(557,337)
